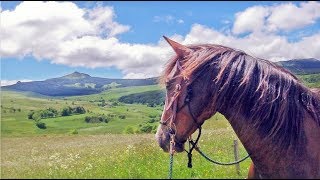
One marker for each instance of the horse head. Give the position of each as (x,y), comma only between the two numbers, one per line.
(183,110)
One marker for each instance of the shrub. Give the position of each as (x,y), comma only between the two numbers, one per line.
(41,125)
(48,113)
(96,119)
(122,116)
(66,111)
(111,115)
(78,110)
(30,114)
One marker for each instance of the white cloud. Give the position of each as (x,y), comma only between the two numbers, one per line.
(102,17)
(285,16)
(264,45)
(10,82)
(180,21)
(252,19)
(135,76)
(66,34)
(289,16)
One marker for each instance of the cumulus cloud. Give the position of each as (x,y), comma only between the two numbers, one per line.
(252,19)
(287,16)
(102,18)
(66,34)
(264,45)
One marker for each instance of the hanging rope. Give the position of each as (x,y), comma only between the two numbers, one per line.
(194,146)
(170,166)
(220,163)
(172,143)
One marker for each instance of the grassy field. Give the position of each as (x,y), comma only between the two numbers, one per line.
(101,150)
(116,156)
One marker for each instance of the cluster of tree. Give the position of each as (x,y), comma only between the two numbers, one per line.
(67,111)
(97,119)
(103,118)
(51,112)
(102,102)
(150,98)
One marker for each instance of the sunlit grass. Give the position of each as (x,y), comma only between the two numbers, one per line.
(112,156)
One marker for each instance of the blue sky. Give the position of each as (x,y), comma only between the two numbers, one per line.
(124,39)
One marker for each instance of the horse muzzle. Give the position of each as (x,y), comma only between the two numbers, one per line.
(164,141)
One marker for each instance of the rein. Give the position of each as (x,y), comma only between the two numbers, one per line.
(192,144)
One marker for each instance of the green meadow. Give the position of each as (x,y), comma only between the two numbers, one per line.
(71,148)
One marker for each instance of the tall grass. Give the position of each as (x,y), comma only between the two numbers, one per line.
(112,156)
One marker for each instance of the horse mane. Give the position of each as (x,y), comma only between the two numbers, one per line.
(272,99)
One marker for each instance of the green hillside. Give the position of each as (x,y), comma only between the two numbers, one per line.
(15,107)
(311,80)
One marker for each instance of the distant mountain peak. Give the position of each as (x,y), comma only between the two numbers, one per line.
(76,75)
(305,59)
(301,66)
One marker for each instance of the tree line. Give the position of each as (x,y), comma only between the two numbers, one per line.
(52,113)
(150,98)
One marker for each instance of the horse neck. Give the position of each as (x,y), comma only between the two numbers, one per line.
(266,154)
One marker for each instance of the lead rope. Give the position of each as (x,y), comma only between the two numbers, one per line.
(171,156)
(194,146)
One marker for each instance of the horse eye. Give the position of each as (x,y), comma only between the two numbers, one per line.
(178,87)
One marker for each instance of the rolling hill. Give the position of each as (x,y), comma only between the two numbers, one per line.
(301,66)
(76,84)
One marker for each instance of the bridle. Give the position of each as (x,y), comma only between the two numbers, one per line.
(172,127)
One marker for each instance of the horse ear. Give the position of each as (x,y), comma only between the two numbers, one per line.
(180,49)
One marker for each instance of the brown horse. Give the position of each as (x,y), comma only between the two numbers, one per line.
(274,115)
